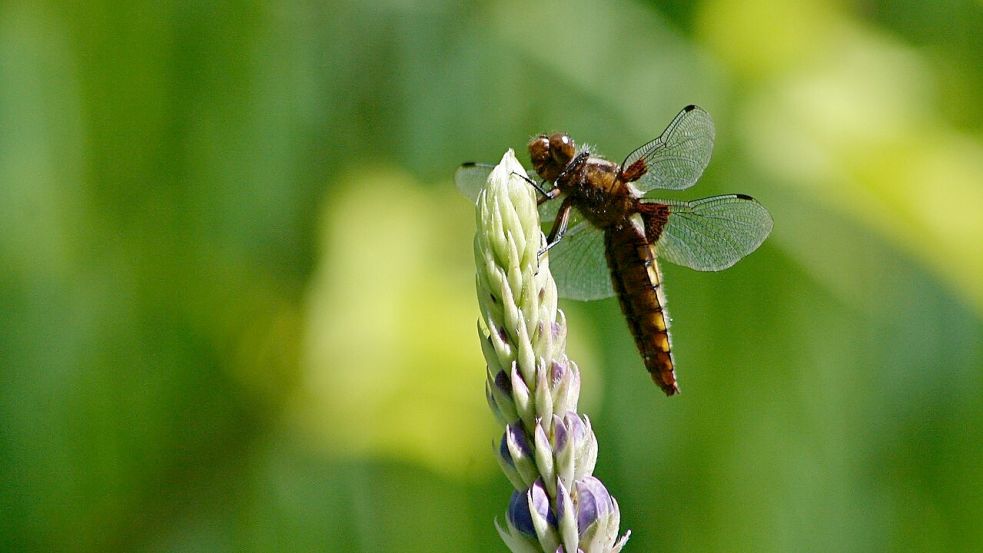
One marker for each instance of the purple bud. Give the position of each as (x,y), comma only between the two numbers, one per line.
(570,427)
(504,383)
(519,514)
(560,433)
(575,447)
(565,385)
(576,427)
(593,502)
(503,451)
(520,390)
(559,330)
(541,501)
(514,433)
(557,370)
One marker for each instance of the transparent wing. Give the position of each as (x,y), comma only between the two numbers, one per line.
(548,211)
(579,266)
(471,177)
(713,233)
(678,157)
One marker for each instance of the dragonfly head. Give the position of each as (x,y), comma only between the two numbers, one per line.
(551,154)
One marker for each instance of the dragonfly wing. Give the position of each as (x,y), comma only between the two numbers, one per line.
(579,265)
(714,233)
(548,211)
(471,177)
(677,158)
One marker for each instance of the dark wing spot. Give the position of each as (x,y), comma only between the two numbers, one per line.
(635,171)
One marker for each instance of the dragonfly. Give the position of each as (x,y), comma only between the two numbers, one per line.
(607,234)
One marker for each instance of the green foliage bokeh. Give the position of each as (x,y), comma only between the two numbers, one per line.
(236,296)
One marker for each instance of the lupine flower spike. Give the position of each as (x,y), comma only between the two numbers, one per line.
(547,450)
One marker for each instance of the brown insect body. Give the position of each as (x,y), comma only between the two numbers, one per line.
(616,230)
(601,192)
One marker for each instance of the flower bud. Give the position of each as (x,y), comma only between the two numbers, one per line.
(518,514)
(566,517)
(585,445)
(544,457)
(530,514)
(575,448)
(492,359)
(516,452)
(565,384)
(544,396)
(507,463)
(523,398)
(493,404)
(547,451)
(598,518)
(559,328)
(498,389)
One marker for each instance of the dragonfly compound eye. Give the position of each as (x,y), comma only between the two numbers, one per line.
(539,154)
(539,149)
(562,148)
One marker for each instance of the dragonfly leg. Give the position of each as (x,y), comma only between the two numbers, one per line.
(546,194)
(559,225)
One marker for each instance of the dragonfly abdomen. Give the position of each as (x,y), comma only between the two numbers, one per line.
(638,283)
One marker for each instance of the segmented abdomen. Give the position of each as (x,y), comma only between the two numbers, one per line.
(638,283)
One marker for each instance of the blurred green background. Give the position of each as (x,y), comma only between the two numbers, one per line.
(236,295)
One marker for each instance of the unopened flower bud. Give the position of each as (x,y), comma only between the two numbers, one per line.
(565,384)
(566,517)
(575,448)
(530,514)
(516,452)
(598,518)
(547,451)
(544,457)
